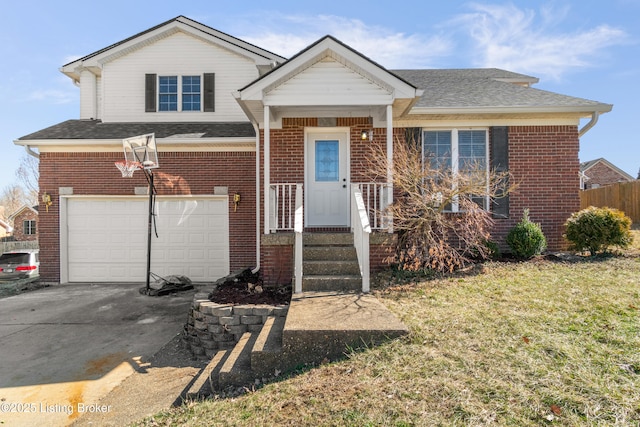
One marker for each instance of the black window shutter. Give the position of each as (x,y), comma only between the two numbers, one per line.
(149,93)
(500,163)
(209,92)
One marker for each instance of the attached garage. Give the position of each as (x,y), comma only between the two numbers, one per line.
(104,238)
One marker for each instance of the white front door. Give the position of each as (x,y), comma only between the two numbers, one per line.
(327,179)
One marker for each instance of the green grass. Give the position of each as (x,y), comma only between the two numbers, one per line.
(520,344)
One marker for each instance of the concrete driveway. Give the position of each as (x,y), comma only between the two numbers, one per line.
(65,347)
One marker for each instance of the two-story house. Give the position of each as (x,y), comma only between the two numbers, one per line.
(253,147)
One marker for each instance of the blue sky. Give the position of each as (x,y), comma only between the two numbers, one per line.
(588,48)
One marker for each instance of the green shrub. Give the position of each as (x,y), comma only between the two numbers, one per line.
(597,229)
(526,239)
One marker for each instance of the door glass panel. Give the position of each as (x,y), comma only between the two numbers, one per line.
(327,161)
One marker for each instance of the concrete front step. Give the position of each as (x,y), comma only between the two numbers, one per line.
(319,326)
(334,283)
(331,268)
(329,253)
(327,239)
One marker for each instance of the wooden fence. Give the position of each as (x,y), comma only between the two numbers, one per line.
(624,196)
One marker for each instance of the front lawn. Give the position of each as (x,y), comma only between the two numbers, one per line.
(522,344)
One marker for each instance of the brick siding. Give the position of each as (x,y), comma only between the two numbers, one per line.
(18,225)
(602,175)
(544,163)
(179,174)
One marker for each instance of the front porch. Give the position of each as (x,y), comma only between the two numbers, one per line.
(327,258)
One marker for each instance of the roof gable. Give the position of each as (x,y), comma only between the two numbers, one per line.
(23,209)
(585,166)
(328,72)
(95,60)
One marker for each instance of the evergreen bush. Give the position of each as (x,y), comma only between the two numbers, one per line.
(526,238)
(597,229)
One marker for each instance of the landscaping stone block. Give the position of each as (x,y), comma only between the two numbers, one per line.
(238,329)
(243,310)
(251,320)
(229,320)
(222,311)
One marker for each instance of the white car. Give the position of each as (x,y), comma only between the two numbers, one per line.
(20,264)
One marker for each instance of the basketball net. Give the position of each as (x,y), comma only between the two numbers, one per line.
(127,167)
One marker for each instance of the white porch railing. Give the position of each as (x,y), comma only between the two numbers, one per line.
(361,230)
(298,228)
(282,206)
(376,197)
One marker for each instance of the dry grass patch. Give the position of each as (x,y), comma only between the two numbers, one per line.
(522,344)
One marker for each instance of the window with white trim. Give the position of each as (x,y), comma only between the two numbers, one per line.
(458,151)
(184,92)
(29,227)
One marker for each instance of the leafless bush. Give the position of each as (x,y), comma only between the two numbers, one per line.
(442,218)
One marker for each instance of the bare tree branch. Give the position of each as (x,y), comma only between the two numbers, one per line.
(28,174)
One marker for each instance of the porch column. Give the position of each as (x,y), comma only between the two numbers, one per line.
(390,160)
(267,168)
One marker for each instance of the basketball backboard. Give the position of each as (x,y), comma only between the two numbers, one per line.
(141,149)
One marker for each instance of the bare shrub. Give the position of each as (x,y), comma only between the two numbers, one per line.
(441,218)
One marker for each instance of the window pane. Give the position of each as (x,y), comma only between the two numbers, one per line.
(190,93)
(472,149)
(437,148)
(168,93)
(327,161)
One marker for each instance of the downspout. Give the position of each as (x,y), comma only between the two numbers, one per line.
(592,123)
(256,126)
(31,152)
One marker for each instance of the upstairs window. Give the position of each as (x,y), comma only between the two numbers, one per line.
(180,93)
(168,93)
(458,152)
(190,93)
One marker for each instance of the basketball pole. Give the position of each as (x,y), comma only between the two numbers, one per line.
(152,191)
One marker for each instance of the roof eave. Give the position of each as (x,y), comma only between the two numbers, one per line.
(578,109)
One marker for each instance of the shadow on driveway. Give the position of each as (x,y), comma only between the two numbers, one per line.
(65,347)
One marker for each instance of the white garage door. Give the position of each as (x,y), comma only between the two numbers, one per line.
(107,238)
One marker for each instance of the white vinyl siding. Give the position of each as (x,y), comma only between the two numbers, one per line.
(177,55)
(328,83)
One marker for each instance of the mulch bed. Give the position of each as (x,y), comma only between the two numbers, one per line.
(243,292)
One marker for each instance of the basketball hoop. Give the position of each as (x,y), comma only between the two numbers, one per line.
(127,167)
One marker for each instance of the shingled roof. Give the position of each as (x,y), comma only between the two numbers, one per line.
(489,89)
(95,129)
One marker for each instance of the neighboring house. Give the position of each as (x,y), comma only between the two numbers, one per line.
(5,229)
(25,223)
(241,130)
(600,173)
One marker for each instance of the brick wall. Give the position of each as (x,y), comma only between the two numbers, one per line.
(602,175)
(544,163)
(179,174)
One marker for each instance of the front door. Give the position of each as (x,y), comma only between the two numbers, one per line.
(327,179)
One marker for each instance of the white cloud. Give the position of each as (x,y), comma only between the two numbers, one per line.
(390,49)
(505,36)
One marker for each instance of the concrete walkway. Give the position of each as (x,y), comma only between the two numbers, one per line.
(64,348)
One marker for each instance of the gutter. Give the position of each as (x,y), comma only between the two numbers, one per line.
(594,119)
(31,152)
